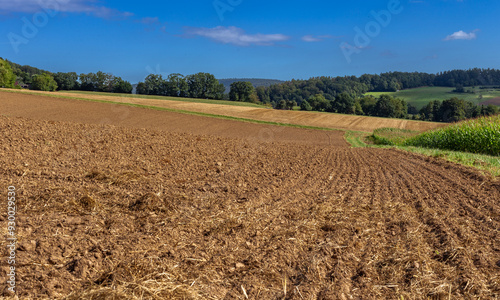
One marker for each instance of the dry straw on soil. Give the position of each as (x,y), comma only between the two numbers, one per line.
(216,218)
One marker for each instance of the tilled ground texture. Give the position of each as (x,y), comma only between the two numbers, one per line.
(315,119)
(81,111)
(120,213)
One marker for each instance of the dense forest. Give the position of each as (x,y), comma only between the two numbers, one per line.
(330,87)
(328,94)
(346,94)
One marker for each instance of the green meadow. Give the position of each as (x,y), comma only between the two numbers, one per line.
(419,97)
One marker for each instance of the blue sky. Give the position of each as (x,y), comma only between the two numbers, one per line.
(256,39)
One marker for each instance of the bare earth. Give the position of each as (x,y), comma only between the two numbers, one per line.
(494,101)
(326,120)
(123,212)
(56,109)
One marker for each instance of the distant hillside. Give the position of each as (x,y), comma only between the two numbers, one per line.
(420,97)
(256,82)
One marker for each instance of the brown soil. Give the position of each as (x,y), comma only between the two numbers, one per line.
(113,212)
(327,120)
(494,101)
(56,109)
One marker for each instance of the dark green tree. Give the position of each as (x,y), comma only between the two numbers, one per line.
(88,82)
(489,110)
(204,86)
(368,105)
(453,110)
(44,82)
(318,102)
(241,91)
(305,106)
(155,85)
(290,104)
(459,89)
(281,105)
(383,107)
(141,89)
(263,94)
(66,81)
(177,85)
(344,104)
(390,107)
(104,81)
(358,109)
(121,86)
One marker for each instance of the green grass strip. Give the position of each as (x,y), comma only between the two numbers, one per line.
(356,138)
(392,136)
(488,163)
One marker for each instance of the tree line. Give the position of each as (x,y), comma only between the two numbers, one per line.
(451,110)
(199,85)
(331,87)
(328,94)
(454,110)
(37,79)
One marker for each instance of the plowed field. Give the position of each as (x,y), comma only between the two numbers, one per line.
(494,101)
(315,119)
(140,213)
(56,109)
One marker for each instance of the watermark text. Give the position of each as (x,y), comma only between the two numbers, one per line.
(11,238)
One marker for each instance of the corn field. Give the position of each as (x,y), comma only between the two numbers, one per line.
(480,135)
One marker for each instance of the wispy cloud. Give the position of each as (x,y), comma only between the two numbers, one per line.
(70,6)
(310,39)
(319,38)
(152,23)
(149,21)
(235,36)
(462,35)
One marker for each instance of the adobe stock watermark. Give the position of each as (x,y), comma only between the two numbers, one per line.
(11,238)
(372,29)
(31,26)
(223,6)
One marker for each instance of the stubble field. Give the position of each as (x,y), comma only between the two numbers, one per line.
(314,119)
(165,206)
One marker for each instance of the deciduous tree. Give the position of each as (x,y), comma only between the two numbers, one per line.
(44,82)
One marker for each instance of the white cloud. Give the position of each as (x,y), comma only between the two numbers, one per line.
(462,35)
(310,38)
(236,36)
(70,6)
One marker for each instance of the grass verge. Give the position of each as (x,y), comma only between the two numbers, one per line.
(488,163)
(391,136)
(357,139)
(474,143)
